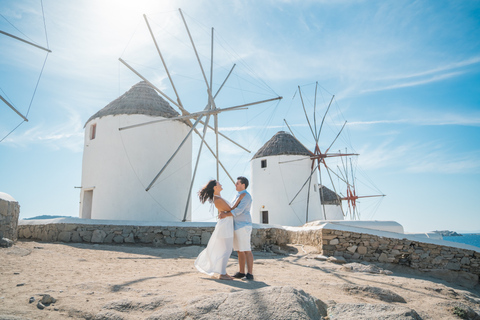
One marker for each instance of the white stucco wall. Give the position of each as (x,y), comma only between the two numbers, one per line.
(276,185)
(119,165)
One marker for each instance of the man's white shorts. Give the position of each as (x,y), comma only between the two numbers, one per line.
(241,239)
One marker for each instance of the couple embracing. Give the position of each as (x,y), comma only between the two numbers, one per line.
(232,232)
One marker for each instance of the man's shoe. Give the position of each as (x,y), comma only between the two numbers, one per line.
(248,276)
(239,275)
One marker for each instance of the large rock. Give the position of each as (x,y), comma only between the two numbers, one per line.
(5,243)
(365,311)
(373,292)
(264,303)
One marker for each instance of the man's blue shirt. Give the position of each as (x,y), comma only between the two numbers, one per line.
(241,214)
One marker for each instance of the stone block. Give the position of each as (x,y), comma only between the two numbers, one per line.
(118,239)
(352,249)
(76,237)
(180,240)
(196,240)
(205,237)
(383,257)
(64,236)
(334,242)
(109,238)
(362,250)
(453,266)
(86,235)
(130,238)
(70,227)
(181,233)
(98,236)
(27,233)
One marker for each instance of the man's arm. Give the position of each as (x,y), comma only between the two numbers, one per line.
(241,208)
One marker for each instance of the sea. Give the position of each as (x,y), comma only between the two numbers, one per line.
(472,239)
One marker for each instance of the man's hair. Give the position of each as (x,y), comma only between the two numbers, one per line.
(244,181)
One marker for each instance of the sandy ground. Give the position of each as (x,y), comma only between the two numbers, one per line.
(86,278)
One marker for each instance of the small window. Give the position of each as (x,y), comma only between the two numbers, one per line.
(265,217)
(93,131)
(264,163)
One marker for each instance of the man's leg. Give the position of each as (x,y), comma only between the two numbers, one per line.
(249,257)
(241,261)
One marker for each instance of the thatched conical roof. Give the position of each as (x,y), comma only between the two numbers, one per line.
(328,196)
(282,143)
(140,99)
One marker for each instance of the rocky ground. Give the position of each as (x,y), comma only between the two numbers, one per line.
(92,281)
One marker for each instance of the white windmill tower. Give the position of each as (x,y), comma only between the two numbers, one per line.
(172,152)
(287,186)
(278,169)
(118,165)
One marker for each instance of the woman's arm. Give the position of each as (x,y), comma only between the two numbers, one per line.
(222,205)
(238,201)
(226,212)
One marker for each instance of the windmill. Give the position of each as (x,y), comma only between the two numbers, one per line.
(3,97)
(319,159)
(193,119)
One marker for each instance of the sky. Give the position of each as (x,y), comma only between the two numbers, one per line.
(405,76)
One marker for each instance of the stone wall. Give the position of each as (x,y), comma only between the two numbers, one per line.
(415,254)
(418,255)
(154,235)
(9,212)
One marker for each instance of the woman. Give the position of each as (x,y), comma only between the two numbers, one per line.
(213,260)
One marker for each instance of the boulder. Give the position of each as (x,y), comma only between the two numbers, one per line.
(365,311)
(263,303)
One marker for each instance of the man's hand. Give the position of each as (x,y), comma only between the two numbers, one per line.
(224,214)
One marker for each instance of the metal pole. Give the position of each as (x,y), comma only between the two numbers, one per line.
(13,108)
(215,116)
(195,171)
(305,111)
(198,59)
(174,154)
(164,64)
(27,42)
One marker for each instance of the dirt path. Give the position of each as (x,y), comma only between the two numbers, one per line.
(87,279)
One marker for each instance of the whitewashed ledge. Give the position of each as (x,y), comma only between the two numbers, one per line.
(348,240)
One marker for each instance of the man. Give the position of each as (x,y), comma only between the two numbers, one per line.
(242,222)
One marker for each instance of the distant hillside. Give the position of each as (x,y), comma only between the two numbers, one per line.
(47,217)
(447,233)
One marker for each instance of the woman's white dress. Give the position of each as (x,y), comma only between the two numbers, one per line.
(214,258)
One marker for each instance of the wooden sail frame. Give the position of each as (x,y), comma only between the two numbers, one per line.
(24,117)
(317,156)
(29,43)
(186,116)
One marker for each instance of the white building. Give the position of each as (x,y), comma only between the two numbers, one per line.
(119,165)
(279,169)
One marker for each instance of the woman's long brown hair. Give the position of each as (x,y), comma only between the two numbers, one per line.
(206,193)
